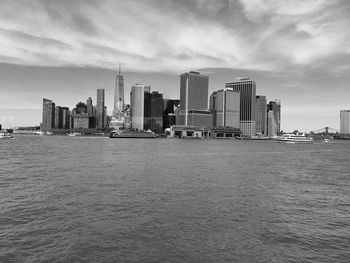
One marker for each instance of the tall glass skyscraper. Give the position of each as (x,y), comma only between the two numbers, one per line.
(48,117)
(118,96)
(194,100)
(137,104)
(100,109)
(345,122)
(261,115)
(247,89)
(274,118)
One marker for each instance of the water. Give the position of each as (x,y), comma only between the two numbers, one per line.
(70,199)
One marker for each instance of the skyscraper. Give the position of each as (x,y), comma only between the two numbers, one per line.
(274,118)
(119,96)
(100,109)
(225,106)
(261,115)
(58,117)
(194,100)
(345,122)
(247,89)
(48,115)
(65,118)
(89,106)
(137,104)
(153,111)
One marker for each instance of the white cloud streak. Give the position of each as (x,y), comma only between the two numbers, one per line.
(170,35)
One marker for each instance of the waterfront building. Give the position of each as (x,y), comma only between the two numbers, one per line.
(274,118)
(345,122)
(137,105)
(81,121)
(89,107)
(247,89)
(169,118)
(194,100)
(261,115)
(153,111)
(189,131)
(48,115)
(100,109)
(65,117)
(225,107)
(119,96)
(58,117)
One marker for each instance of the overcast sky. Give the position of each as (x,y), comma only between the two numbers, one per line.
(297,51)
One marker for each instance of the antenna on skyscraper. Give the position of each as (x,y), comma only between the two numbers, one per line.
(119,69)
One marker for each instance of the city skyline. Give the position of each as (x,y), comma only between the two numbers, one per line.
(295,51)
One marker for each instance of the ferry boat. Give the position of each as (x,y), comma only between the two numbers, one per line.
(133,133)
(294,138)
(73,134)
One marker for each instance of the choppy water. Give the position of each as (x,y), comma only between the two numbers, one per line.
(65,199)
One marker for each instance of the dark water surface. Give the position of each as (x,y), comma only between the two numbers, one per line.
(70,199)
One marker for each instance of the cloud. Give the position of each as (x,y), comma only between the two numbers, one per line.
(169,35)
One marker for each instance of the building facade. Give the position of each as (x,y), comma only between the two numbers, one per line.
(247,89)
(261,115)
(118,96)
(137,105)
(153,111)
(100,109)
(345,122)
(274,108)
(225,107)
(48,115)
(194,100)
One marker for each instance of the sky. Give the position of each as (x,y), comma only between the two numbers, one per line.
(296,51)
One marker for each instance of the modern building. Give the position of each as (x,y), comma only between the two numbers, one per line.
(48,115)
(89,107)
(137,105)
(100,109)
(247,89)
(194,100)
(261,115)
(169,118)
(58,117)
(119,96)
(65,117)
(345,122)
(274,118)
(225,107)
(153,111)
(81,121)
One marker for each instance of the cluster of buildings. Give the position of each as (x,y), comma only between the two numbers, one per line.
(235,110)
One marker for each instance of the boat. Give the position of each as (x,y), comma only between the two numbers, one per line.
(72,134)
(132,133)
(5,135)
(39,133)
(294,138)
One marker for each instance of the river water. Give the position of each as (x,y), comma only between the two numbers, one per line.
(71,199)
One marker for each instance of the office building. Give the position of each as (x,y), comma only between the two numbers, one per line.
(100,109)
(169,118)
(345,122)
(48,115)
(274,118)
(194,100)
(225,107)
(261,115)
(137,105)
(58,117)
(247,89)
(89,107)
(153,111)
(119,96)
(65,117)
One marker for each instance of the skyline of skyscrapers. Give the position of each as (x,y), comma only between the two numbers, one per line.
(247,89)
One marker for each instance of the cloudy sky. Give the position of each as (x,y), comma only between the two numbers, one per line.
(297,51)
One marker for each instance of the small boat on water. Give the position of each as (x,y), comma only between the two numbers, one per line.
(132,133)
(294,138)
(72,134)
(5,135)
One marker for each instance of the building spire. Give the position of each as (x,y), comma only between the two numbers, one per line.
(119,70)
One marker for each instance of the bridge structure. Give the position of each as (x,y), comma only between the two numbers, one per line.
(325,132)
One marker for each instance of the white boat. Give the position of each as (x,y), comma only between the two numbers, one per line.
(5,135)
(39,133)
(72,134)
(295,138)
